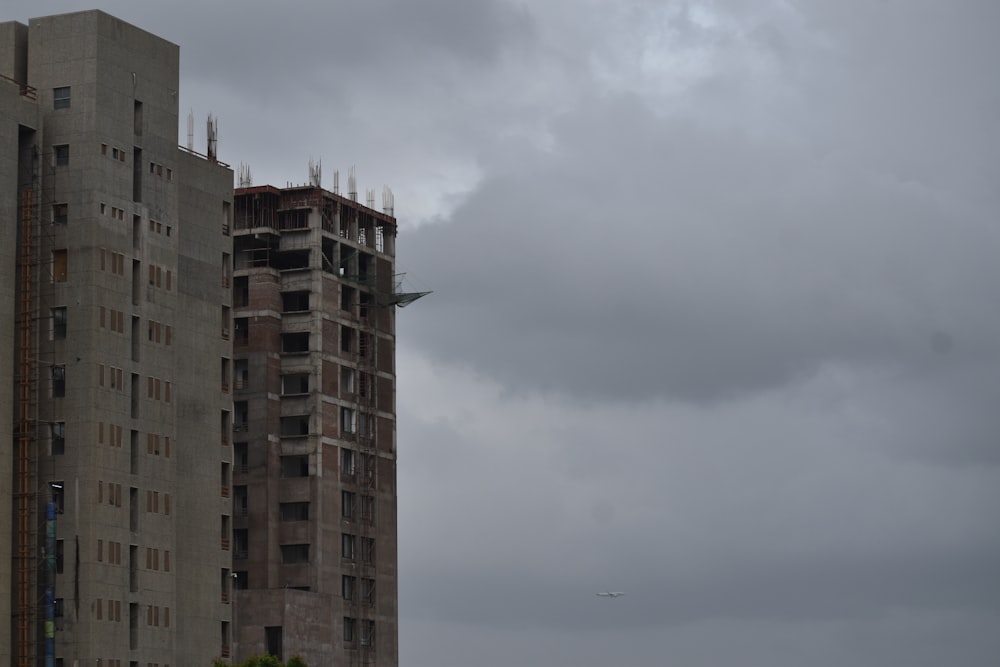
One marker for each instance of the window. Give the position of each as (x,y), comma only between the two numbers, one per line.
(346,380)
(58,381)
(347,504)
(60,155)
(367,632)
(295,384)
(58,498)
(61,97)
(347,545)
(241,329)
(346,461)
(368,549)
(295,466)
(59,266)
(241,543)
(347,586)
(59,323)
(293,302)
(294,553)
(60,214)
(57,431)
(347,420)
(295,511)
(292,343)
(295,425)
(367,590)
(367,508)
(349,629)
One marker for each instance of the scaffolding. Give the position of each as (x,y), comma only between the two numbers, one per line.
(26,480)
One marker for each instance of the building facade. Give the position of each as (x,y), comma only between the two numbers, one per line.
(115,289)
(314,428)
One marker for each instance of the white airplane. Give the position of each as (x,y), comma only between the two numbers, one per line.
(610,594)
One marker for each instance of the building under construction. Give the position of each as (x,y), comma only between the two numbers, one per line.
(314,437)
(115,292)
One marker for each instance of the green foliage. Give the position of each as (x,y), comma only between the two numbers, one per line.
(263,661)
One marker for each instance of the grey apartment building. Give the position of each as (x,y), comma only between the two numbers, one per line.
(115,275)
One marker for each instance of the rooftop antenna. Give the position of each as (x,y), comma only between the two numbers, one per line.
(213,137)
(370,198)
(352,184)
(315,173)
(191,130)
(336,181)
(388,201)
(244,178)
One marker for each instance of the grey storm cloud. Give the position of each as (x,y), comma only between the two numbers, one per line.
(643,256)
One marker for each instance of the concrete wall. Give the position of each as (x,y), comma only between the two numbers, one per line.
(17,114)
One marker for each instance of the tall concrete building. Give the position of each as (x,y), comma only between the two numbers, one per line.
(115,277)
(314,541)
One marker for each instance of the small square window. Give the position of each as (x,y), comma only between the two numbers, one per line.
(61,97)
(60,155)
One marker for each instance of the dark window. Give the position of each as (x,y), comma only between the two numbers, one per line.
(347,503)
(346,461)
(368,549)
(241,543)
(60,155)
(297,383)
(295,466)
(295,425)
(61,97)
(347,545)
(349,629)
(59,323)
(241,330)
(293,302)
(272,637)
(347,587)
(295,342)
(294,553)
(60,214)
(58,381)
(367,632)
(58,432)
(59,556)
(294,511)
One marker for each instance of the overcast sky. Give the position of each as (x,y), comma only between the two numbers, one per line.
(716,310)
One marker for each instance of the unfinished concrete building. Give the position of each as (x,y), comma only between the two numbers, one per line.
(114,321)
(314,541)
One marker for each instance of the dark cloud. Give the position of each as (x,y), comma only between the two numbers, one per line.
(642,256)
